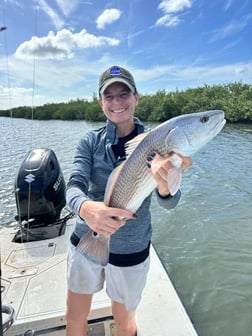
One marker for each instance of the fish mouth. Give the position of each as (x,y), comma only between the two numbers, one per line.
(219,125)
(121,110)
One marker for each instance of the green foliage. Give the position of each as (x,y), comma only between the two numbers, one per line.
(234,98)
(93,111)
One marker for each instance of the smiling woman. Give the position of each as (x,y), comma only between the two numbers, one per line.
(119,105)
(111,241)
(118,98)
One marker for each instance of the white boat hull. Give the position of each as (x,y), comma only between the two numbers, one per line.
(34,283)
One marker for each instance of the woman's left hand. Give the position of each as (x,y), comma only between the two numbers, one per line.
(167,171)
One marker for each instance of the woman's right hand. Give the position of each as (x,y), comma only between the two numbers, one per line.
(103,219)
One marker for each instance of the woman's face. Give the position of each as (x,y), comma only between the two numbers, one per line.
(118,103)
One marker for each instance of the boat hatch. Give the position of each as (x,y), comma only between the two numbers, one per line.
(30,257)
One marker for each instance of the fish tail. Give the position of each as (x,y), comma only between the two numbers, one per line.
(94,247)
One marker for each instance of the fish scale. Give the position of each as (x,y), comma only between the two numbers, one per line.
(135,182)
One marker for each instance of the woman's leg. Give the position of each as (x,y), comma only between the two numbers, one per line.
(124,287)
(83,278)
(78,307)
(124,319)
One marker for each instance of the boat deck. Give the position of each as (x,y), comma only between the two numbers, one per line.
(34,284)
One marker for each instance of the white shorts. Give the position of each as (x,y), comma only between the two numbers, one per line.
(123,284)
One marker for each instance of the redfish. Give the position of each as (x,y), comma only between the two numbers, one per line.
(131,182)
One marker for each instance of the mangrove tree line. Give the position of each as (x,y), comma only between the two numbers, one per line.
(234,98)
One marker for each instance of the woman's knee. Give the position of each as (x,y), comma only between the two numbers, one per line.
(78,307)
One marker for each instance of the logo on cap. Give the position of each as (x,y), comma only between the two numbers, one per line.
(115,71)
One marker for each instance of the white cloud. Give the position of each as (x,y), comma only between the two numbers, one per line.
(107,17)
(172,77)
(174,6)
(79,79)
(168,20)
(67,7)
(57,21)
(232,28)
(62,44)
(170,8)
(10,96)
(228,4)
(85,40)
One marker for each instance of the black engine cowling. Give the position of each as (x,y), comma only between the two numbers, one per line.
(40,188)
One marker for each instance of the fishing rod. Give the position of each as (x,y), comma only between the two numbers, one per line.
(1,310)
(5,309)
(1,288)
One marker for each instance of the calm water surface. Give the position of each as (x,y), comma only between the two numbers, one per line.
(205,243)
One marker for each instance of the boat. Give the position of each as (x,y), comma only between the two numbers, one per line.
(33,265)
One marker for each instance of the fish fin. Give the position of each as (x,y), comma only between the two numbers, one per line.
(174,175)
(111,183)
(174,178)
(94,247)
(131,145)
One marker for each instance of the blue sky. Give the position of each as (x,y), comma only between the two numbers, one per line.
(55,50)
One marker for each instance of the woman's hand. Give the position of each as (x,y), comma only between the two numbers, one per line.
(167,171)
(103,219)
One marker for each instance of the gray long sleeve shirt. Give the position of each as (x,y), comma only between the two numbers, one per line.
(94,161)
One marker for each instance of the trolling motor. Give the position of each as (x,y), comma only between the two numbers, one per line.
(40,197)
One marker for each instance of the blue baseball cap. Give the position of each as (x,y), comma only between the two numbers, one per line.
(116,74)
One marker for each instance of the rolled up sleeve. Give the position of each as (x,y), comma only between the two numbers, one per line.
(169,202)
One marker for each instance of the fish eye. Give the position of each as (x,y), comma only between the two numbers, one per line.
(204,119)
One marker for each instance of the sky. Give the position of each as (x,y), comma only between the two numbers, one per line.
(55,50)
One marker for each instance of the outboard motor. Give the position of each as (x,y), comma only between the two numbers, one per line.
(40,194)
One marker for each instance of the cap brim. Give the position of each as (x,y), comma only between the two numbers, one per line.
(116,80)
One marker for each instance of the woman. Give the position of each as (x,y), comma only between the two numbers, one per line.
(97,154)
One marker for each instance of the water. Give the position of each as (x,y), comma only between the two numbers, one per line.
(205,243)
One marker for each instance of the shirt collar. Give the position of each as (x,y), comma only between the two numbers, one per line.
(112,134)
